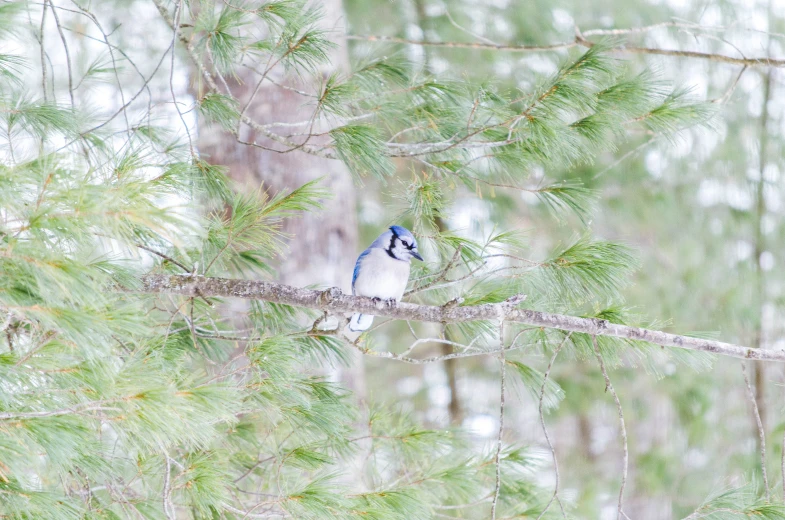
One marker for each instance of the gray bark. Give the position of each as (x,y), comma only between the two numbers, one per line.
(336,302)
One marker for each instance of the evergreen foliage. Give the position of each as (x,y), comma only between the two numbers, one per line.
(115,404)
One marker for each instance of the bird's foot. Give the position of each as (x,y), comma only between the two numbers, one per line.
(389,303)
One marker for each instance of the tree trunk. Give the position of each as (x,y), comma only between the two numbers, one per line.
(760,240)
(322,246)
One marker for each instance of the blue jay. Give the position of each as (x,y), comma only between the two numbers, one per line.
(382,270)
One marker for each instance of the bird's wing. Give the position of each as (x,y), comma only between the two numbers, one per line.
(357,266)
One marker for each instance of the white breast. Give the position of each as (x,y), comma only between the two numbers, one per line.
(381,276)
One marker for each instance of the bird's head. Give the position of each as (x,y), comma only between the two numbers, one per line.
(402,244)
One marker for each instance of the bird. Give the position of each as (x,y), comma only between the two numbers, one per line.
(382,271)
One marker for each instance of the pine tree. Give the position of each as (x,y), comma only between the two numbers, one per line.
(118,402)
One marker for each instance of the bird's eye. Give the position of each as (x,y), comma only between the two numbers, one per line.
(405,243)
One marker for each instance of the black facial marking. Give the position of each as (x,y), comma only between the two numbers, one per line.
(392,244)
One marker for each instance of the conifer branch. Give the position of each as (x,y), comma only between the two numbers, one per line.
(213,86)
(334,301)
(170,392)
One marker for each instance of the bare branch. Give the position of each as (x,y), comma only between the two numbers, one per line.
(761,433)
(43,50)
(467,31)
(440,341)
(110,47)
(67,53)
(334,301)
(721,58)
(440,276)
(176,30)
(545,430)
(167,506)
(163,256)
(623,429)
(782,464)
(503,370)
(634,30)
(80,408)
(144,87)
(464,45)
(582,42)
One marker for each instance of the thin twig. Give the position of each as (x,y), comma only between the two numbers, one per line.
(256,465)
(633,30)
(442,275)
(705,511)
(440,341)
(114,493)
(782,464)
(166,491)
(580,41)
(94,19)
(176,31)
(9,333)
(464,45)
(555,495)
(165,257)
(626,156)
(728,93)
(67,54)
(467,31)
(609,387)
(43,51)
(128,103)
(76,409)
(320,151)
(503,370)
(761,433)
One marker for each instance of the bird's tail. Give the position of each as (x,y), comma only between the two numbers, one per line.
(360,322)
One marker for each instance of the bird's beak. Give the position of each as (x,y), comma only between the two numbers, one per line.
(416,255)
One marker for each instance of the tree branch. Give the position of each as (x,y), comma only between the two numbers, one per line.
(465,45)
(167,506)
(582,42)
(622,428)
(497,457)
(761,433)
(555,495)
(333,300)
(76,409)
(67,53)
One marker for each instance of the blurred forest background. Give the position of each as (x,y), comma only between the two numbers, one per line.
(700,202)
(701,209)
